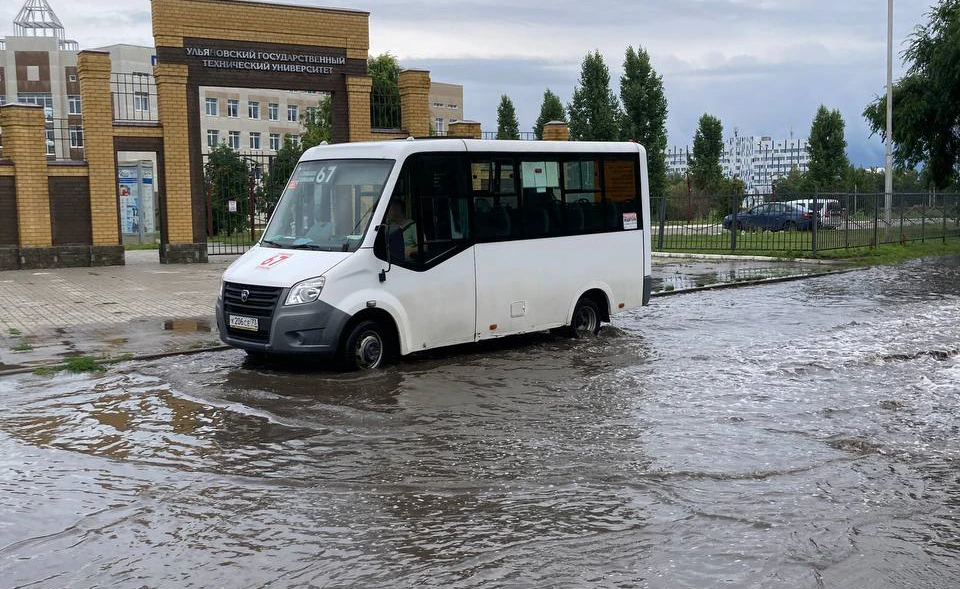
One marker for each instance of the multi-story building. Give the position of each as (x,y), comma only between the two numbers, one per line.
(446,106)
(756,161)
(38,65)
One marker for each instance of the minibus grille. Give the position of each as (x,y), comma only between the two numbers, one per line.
(261,302)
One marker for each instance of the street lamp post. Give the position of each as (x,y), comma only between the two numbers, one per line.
(888,185)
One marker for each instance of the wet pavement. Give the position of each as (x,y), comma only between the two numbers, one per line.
(145,308)
(791,435)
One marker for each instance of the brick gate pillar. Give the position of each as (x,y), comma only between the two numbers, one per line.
(556,131)
(179,244)
(415,102)
(358,108)
(465,129)
(24,142)
(93,70)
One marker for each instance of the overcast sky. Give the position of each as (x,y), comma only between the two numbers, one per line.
(762,66)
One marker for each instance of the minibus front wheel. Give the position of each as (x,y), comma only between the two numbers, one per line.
(366,346)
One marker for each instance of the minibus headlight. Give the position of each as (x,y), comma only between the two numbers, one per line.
(306,291)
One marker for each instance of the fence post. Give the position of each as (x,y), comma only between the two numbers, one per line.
(944,207)
(876,219)
(250,205)
(816,221)
(663,218)
(923,221)
(902,235)
(733,223)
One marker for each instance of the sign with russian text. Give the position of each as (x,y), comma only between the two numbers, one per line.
(286,62)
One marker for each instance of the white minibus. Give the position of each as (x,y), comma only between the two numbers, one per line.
(387,248)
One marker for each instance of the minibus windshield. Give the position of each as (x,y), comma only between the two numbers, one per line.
(327,205)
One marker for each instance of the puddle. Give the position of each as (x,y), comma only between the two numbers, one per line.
(187,325)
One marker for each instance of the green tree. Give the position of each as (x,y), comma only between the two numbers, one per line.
(594,109)
(644,116)
(926,101)
(507,126)
(318,124)
(281,168)
(828,150)
(385,93)
(550,110)
(705,168)
(227,177)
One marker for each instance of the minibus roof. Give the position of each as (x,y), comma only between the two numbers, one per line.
(400,148)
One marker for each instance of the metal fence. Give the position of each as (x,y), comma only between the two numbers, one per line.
(238,200)
(385,108)
(706,223)
(524,135)
(134,98)
(63,139)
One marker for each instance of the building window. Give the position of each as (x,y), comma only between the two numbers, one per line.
(253,110)
(40,99)
(273,111)
(51,145)
(295,139)
(438,104)
(33,73)
(76,137)
(213,107)
(233,108)
(234,139)
(72,78)
(275,141)
(293,113)
(141,101)
(213,137)
(3,99)
(453,106)
(254,140)
(438,123)
(73,105)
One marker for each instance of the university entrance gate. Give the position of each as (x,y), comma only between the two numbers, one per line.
(266,46)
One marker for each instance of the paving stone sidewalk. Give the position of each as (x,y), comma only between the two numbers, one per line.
(147,308)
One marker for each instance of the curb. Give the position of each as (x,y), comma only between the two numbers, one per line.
(736,258)
(108,361)
(759,281)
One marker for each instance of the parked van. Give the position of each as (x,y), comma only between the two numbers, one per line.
(831,212)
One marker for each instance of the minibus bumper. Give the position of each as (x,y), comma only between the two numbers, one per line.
(312,328)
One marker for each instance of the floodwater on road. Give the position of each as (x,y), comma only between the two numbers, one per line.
(791,435)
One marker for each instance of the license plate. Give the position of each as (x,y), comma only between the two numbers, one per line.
(241,322)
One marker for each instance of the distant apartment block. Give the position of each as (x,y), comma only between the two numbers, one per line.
(756,161)
(446,106)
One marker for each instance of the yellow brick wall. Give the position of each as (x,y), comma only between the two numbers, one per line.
(8,171)
(24,143)
(172,104)
(469,129)
(151,131)
(556,131)
(415,102)
(358,108)
(255,21)
(72,170)
(93,71)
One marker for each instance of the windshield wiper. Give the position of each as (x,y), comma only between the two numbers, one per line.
(270,243)
(303,246)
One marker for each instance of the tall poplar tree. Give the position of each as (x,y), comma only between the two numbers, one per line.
(594,109)
(507,126)
(550,110)
(644,116)
(705,168)
(828,150)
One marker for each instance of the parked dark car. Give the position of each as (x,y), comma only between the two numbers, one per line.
(773,216)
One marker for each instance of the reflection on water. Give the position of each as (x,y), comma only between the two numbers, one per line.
(792,435)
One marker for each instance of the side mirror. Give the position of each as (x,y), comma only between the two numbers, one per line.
(380,248)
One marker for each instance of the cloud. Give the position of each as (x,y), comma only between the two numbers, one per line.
(763,66)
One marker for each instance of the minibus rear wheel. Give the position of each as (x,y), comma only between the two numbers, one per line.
(586,318)
(366,346)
